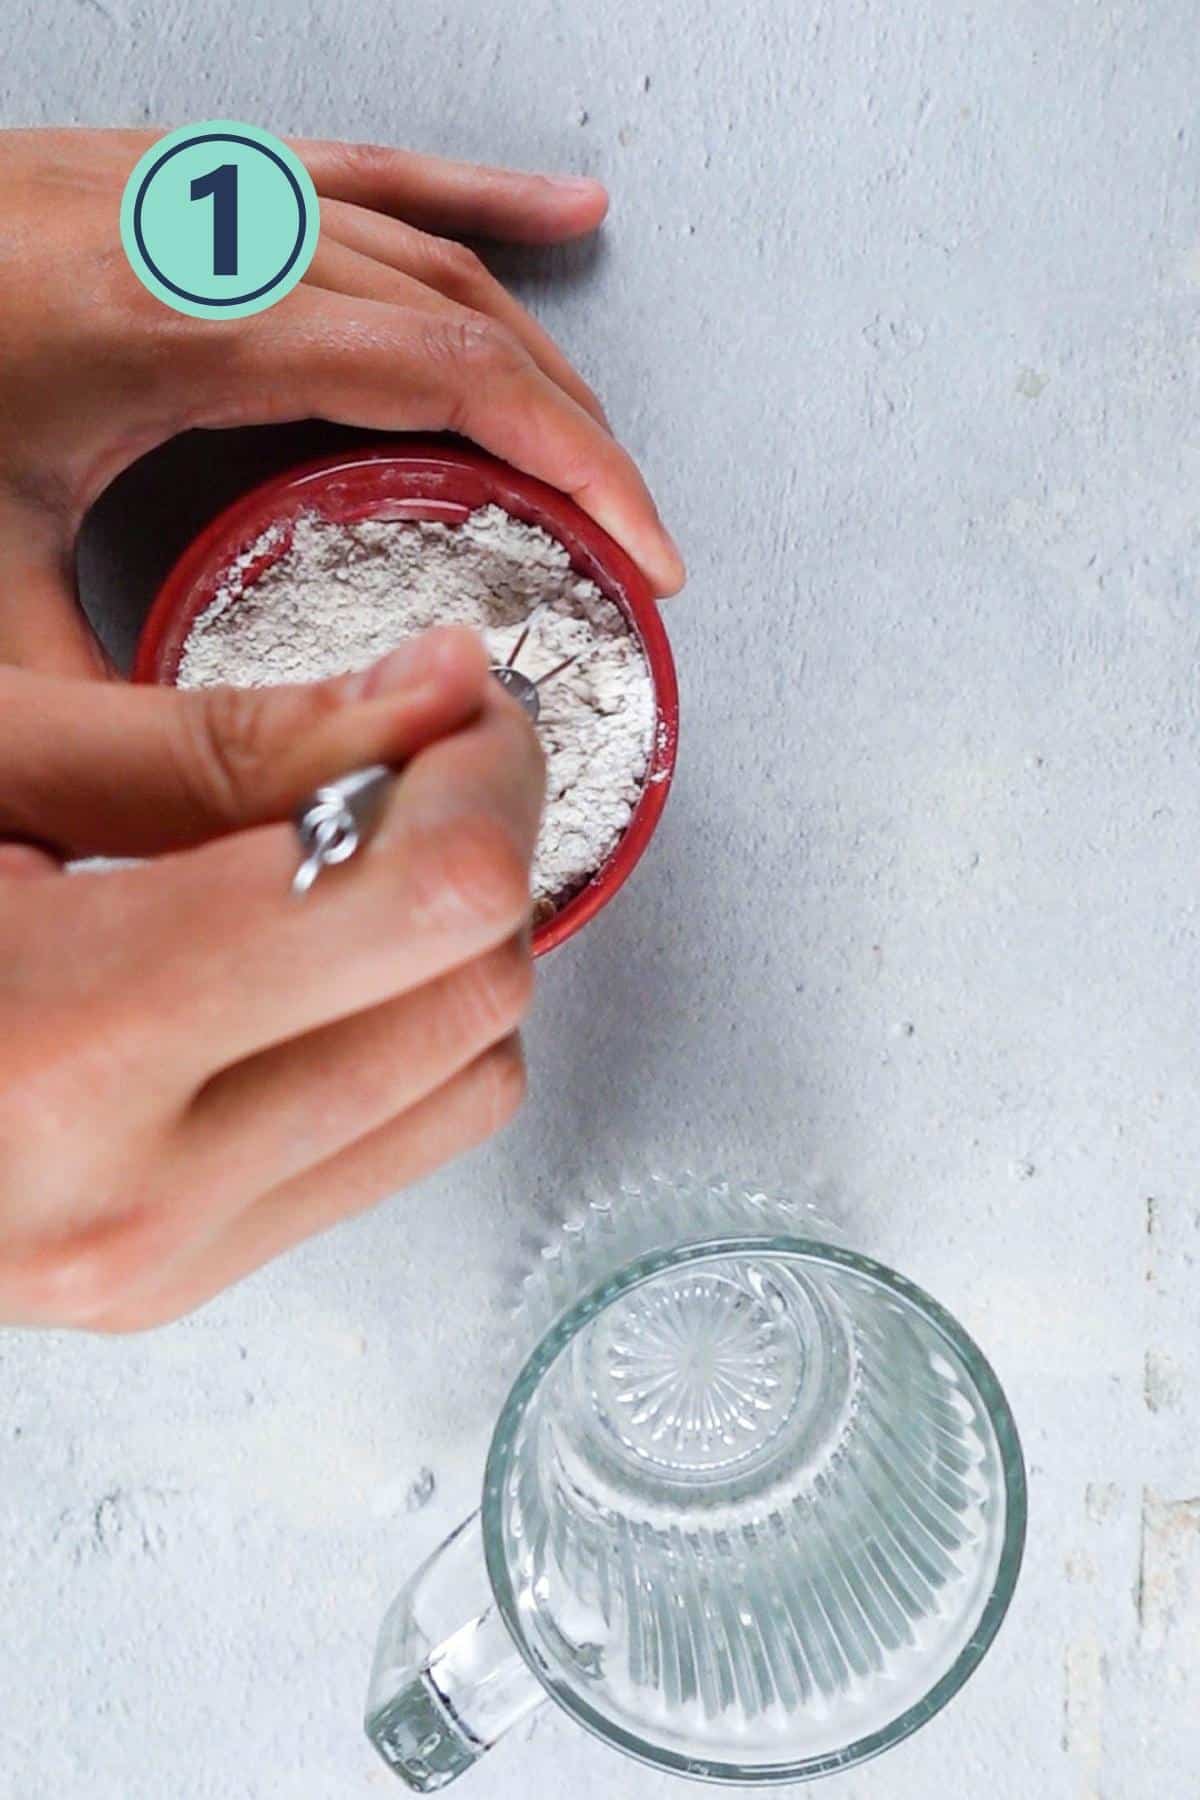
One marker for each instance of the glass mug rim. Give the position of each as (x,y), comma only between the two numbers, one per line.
(784,1247)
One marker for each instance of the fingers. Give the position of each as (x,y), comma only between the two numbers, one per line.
(387,248)
(465,1112)
(455,198)
(395,368)
(438,194)
(225,963)
(125,771)
(445,879)
(281,1112)
(517,412)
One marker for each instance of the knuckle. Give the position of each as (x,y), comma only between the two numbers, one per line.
(474,346)
(496,992)
(473,872)
(582,471)
(505,1081)
(457,271)
(369,162)
(67,1281)
(225,752)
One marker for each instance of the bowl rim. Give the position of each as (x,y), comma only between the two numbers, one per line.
(443,472)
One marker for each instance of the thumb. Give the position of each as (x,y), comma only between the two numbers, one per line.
(106,769)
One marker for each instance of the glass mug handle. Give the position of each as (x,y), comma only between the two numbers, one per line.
(447,1679)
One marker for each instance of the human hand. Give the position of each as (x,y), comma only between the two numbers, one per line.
(197,1069)
(393,327)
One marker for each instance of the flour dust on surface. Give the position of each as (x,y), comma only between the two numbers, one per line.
(343,595)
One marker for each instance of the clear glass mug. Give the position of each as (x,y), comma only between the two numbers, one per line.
(753,1510)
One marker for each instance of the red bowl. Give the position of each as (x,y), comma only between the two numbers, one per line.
(423,479)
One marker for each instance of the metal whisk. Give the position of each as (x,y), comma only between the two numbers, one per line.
(522,687)
(336,821)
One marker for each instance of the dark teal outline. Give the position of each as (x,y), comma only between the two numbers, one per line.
(218,137)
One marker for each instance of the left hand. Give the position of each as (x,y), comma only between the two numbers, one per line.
(393,327)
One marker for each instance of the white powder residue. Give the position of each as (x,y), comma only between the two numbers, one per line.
(344,595)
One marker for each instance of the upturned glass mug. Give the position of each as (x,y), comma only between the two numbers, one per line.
(753,1510)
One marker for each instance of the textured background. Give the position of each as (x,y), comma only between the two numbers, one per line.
(898,304)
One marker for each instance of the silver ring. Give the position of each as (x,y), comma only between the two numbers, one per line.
(336,821)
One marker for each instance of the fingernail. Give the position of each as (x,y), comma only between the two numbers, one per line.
(675,551)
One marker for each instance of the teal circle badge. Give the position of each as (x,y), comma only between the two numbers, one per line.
(219,220)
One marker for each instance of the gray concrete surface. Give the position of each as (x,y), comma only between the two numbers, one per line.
(898,304)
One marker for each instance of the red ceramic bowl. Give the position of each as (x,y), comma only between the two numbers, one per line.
(424,479)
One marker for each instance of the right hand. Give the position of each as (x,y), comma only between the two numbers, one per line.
(196,1069)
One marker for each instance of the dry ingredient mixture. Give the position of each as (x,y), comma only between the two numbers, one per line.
(343,595)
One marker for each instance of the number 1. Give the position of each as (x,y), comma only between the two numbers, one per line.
(221,183)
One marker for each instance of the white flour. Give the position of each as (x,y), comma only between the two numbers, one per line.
(344,595)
